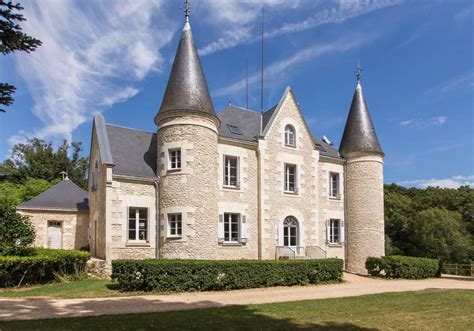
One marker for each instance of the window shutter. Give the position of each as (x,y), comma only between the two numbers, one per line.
(280,234)
(220,229)
(328,231)
(243,228)
(238,172)
(342,232)
(297,182)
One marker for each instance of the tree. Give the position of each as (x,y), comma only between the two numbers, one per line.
(16,193)
(39,159)
(16,231)
(12,39)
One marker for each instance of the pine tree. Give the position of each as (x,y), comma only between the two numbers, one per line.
(12,39)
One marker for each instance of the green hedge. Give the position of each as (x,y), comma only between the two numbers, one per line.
(205,275)
(403,267)
(43,266)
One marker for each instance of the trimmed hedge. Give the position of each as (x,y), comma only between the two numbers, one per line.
(43,266)
(206,275)
(403,267)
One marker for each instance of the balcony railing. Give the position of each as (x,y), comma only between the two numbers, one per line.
(308,252)
(315,252)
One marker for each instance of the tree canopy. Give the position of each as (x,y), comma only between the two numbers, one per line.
(12,39)
(431,222)
(40,160)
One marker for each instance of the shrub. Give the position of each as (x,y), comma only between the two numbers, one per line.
(204,275)
(43,266)
(403,267)
(16,231)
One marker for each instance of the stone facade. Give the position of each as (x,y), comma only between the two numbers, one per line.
(74,227)
(364,210)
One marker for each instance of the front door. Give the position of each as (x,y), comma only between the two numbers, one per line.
(55,235)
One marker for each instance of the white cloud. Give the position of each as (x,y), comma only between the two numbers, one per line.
(422,123)
(462,81)
(453,182)
(240,18)
(92,53)
(280,68)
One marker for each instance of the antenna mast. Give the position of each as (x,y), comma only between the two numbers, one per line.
(261,81)
(247,79)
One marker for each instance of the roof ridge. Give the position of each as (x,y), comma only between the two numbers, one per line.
(241,108)
(125,127)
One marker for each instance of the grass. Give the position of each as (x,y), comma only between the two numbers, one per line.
(87,288)
(424,310)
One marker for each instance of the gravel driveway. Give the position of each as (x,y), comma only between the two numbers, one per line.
(42,308)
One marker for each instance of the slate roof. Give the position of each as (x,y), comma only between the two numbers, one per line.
(187,87)
(246,120)
(133,151)
(359,133)
(65,195)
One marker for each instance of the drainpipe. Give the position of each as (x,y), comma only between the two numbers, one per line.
(157,213)
(259,209)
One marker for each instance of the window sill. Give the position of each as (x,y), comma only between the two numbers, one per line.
(229,187)
(335,198)
(174,237)
(335,244)
(290,146)
(138,244)
(231,243)
(290,193)
(174,170)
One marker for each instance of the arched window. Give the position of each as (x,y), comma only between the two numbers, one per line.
(290,136)
(290,231)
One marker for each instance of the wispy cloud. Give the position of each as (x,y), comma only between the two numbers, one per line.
(452,182)
(423,123)
(241,31)
(462,81)
(92,54)
(280,68)
(465,14)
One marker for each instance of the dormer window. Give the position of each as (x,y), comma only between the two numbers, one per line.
(290,136)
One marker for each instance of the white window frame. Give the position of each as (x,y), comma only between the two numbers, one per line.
(331,185)
(228,227)
(175,219)
(287,176)
(288,236)
(137,224)
(332,229)
(172,163)
(290,135)
(227,168)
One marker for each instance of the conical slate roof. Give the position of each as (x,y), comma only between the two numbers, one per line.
(187,88)
(65,195)
(359,133)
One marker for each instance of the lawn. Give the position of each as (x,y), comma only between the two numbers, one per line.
(424,310)
(87,288)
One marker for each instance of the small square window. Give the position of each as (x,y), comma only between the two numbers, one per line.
(175,225)
(175,158)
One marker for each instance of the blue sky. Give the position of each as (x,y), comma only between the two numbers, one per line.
(114,57)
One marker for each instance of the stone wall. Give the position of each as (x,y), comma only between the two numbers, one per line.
(126,193)
(193,190)
(364,210)
(277,205)
(74,226)
(330,207)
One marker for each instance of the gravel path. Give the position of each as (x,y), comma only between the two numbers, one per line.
(42,308)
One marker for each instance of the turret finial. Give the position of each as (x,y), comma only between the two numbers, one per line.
(187,10)
(358,72)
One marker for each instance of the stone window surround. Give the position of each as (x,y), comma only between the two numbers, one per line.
(290,131)
(185,157)
(147,240)
(237,186)
(341,240)
(186,220)
(286,178)
(286,212)
(281,132)
(170,152)
(235,208)
(284,158)
(241,154)
(176,235)
(327,168)
(338,196)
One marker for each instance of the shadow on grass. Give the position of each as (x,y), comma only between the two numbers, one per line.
(178,315)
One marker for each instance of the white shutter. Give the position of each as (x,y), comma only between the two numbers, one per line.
(297,182)
(328,231)
(342,231)
(280,234)
(243,228)
(220,229)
